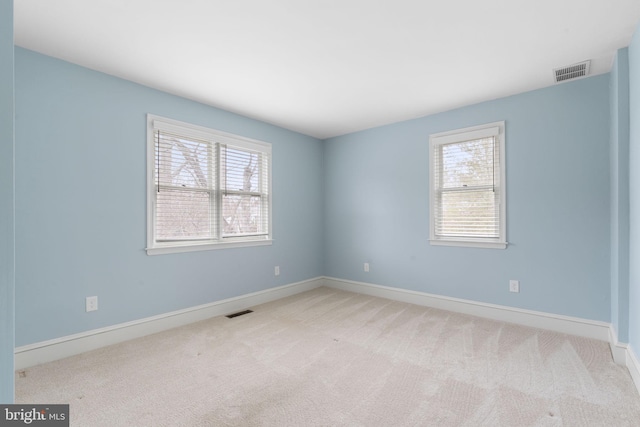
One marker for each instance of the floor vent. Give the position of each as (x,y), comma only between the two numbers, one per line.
(571,72)
(240,313)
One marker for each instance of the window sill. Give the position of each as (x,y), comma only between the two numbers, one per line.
(179,248)
(469,243)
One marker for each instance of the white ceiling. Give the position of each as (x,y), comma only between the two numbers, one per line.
(330,67)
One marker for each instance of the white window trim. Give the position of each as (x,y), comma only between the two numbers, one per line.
(490,129)
(158,248)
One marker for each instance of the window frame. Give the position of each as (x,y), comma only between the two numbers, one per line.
(216,138)
(458,136)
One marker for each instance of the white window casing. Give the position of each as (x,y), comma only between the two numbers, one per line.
(467,190)
(206,189)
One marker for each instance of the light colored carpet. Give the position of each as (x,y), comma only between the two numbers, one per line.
(328,358)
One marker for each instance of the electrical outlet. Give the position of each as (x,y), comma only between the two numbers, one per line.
(276,270)
(91,304)
(366,267)
(514,286)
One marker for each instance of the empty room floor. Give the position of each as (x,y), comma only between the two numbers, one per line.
(328,357)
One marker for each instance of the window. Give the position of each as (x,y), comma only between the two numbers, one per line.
(206,189)
(467,187)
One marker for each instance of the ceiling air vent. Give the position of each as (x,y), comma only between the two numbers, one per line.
(571,72)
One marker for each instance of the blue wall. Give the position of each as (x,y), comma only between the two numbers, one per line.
(81,220)
(634,190)
(81,205)
(619,157)
(6,202)
(558,224)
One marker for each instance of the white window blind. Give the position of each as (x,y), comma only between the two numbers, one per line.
(209,189)
(185,188)
(244,192)
(467,187)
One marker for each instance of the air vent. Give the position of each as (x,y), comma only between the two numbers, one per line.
(571,72)
(240,313)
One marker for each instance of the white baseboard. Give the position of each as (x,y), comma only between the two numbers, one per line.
(618,350)
(633,364)
(47,351)
(536,319)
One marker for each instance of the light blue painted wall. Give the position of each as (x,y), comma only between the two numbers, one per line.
(619,157)
(81,205)
(634,190)
(6,202)
(614,164)
(558,225)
